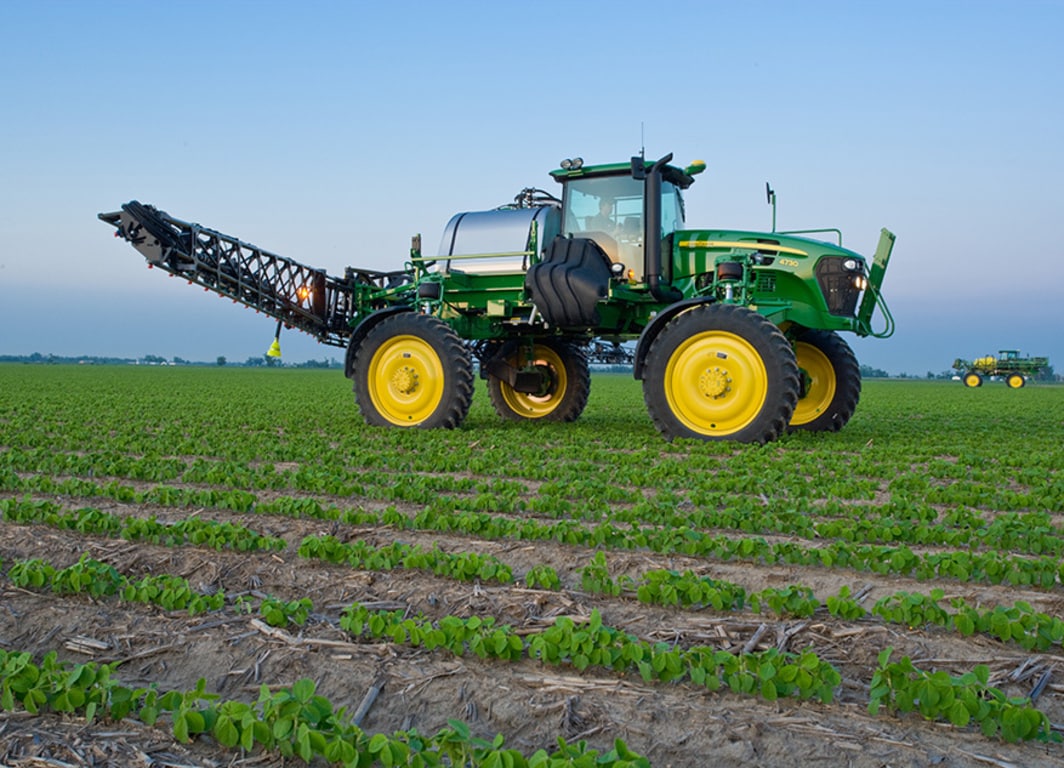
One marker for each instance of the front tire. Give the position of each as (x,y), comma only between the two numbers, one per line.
(973,379)
(721,372)
(565,376)
(411,370)
(832,382)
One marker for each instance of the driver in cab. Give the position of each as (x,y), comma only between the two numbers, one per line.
(603,220)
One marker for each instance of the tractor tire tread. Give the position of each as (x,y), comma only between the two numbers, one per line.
(847,382)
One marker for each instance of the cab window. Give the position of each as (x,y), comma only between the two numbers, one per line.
(614,205)
(609,204)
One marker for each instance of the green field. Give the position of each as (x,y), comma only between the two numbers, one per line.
(286,414)
(903,574)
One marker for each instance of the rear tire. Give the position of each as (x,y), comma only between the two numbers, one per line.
(973,379)
(721,372)
(1015,380)
(411,370)
(566,382)
(832,385)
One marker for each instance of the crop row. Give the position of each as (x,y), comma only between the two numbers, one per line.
(293,721)
(441,515)
(990,566)
(770,674)
(1019,623)
(900,686)
(595,577)
(896,522)
(191,530)
(597,478)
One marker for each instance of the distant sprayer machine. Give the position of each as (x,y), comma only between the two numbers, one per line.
(736,333)
(1008,364)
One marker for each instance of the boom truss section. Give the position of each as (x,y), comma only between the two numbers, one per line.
(299,296)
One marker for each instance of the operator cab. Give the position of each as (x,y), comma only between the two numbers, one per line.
(608,207)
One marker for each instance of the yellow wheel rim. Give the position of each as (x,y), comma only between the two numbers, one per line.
(716,383)
(820,384)
(406,380)
(536,406)
(971,380)
(1015,381)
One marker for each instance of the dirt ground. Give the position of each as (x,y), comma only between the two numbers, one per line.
(530,703)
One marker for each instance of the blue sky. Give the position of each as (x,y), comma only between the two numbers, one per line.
(332,132)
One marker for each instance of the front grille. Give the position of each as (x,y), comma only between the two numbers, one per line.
(766,283)
(837,285)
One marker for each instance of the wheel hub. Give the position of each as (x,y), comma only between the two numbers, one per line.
(547,380)
(405,380)
(714,382)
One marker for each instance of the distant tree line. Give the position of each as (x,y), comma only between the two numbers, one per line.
(868,372)
(252,362)
(262,361)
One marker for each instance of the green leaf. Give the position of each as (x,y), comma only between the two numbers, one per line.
(282,727)
(959,715)
(460,728)
(768,690)
(377,743)
(303,746)
(303,690)
(195,722)
(982,673)
(988,726)
(247,737)
(226,732)
(181,729)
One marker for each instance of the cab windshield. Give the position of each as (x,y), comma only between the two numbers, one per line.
(609,210)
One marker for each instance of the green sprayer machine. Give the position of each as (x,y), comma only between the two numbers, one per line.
(736,333)
(1008,365)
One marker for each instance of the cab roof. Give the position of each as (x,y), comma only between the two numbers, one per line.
(682,178)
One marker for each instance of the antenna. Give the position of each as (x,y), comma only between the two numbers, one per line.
(642,140)
(770,196)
